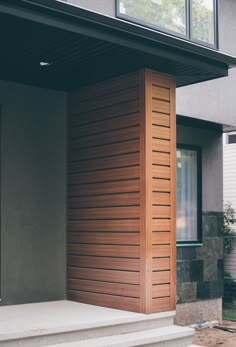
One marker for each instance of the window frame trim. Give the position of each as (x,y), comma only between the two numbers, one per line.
(198,150)
(215,45)
(187,36)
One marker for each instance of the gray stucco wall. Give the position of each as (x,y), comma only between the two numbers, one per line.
(106,7)
(33,194)
(215,100)
(212,164)
(200,269)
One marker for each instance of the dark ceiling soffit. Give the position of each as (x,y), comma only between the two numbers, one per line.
(81,21)
(199,123)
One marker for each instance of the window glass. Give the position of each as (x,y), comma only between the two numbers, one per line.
(187,190)
(203,21)
(167,14)
(231,139)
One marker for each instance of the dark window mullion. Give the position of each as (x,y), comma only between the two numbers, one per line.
(216,24)
(188,17)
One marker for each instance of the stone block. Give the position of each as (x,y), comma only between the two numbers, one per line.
(187,292)
(209,225)
(183,271)
(216,289)
(196,270)
(203,290)
(210,270)
(220,268)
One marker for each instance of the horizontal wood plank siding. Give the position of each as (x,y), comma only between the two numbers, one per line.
(121,193)
(163,192)
(104,194)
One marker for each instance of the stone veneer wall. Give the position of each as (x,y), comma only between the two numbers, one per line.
(200,270)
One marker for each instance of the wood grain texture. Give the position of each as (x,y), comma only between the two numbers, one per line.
(163,196)
(160,251)
(103,88)
(173,196)
(161,185)
(127,225)
(161,305)
(124,173)
(110,200)
(146,191)
(126,186)
(161,238)
(104,238)
(108,112)
(160,106)
(160,264)
(106,163)
(160,291)
(160,119)
(111,137)
(104,213)
(160,145)
(105,151)
(104,194)
(126,264)
(104,250)
(106,287)
(160,158)
(113,124)
(121,193)
(161,132)
(104,275)
(112,301)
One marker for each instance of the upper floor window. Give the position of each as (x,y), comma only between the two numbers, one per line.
(195,20)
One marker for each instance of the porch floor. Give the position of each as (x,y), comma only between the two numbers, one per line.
(45,318)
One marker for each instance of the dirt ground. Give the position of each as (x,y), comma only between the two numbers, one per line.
(211,337)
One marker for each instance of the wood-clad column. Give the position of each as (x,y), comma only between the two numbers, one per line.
(158,181)
(121,193)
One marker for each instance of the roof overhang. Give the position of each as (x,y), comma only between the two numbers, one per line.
(83,47)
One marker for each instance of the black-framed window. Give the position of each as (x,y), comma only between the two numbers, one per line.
(188,194)
(194,20)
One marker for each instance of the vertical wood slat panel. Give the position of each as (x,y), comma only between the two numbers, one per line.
(104,194)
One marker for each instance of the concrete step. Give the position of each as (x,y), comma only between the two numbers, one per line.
(170,336)
(37,325)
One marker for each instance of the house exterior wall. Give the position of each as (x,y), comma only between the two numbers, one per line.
(230,261)
(200,268)
(33,194)
(217,97)
(229,172)
(230,196)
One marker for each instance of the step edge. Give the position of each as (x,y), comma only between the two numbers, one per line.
(183,333)
(142,318)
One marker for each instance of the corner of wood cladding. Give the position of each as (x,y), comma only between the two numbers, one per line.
(121,193)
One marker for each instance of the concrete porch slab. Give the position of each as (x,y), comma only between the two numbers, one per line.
(52,322)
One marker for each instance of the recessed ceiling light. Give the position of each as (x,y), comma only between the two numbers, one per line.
(45,63)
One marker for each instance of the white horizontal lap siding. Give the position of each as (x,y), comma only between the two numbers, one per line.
(229,171)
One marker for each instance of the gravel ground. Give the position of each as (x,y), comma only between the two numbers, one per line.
(211,337)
